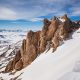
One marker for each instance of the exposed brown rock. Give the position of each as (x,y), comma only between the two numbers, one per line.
(19,65)
(11,64)
(62,32)
(78,22)
(42,46)
(52,33)
(48,32)
(64,17)
(45,27)
(58,36)
(9,67)
(30,47)
(52,29)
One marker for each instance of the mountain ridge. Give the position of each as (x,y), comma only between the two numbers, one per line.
(51,35)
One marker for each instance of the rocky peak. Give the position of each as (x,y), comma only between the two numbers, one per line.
(46,23)
(78,22)
(64,17)
(54,18)
(37,42)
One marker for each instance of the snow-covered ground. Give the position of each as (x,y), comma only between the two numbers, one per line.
(10,42)
(63,64)
(9,37)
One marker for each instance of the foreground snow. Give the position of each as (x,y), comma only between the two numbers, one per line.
(63,64)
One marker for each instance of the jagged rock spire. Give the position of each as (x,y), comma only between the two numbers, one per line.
(54,18)
(36,42)
(64,16)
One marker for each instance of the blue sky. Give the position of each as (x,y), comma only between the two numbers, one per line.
(28,14)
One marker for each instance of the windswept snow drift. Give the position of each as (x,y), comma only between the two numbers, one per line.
(63,64)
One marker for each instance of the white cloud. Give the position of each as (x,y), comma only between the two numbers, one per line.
(6,13)
(36,19)
(75,11)
(31,9)
(32,14)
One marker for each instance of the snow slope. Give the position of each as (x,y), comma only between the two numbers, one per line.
(63,64)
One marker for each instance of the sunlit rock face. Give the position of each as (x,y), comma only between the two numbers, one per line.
(30,47)
(53,32)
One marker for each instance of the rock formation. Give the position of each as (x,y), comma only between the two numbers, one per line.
(52,33)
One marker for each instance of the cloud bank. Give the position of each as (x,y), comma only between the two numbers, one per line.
(35,10)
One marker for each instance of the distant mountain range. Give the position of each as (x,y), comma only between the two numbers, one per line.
(10,30)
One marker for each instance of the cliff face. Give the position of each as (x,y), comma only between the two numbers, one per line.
(52,33)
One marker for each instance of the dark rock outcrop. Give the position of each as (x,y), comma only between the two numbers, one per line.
(52,33)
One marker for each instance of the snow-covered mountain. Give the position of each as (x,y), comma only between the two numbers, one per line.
(63,64)
(50,54)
